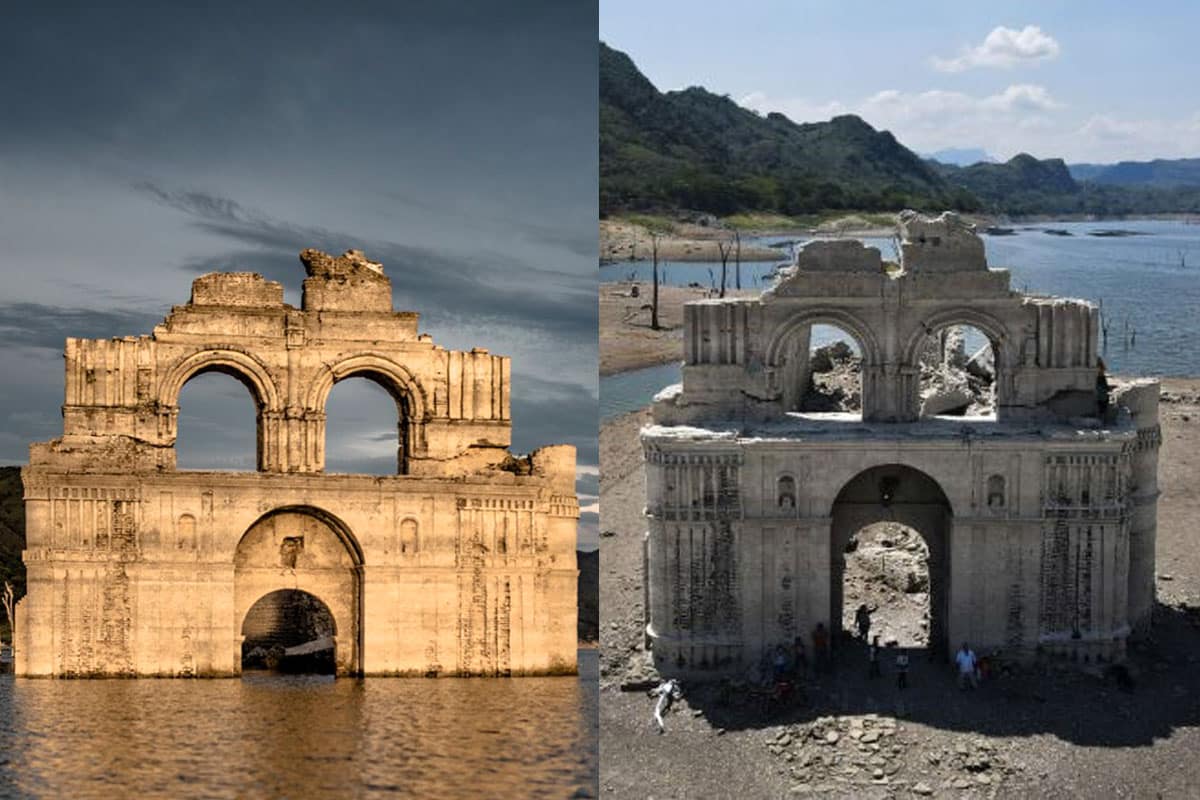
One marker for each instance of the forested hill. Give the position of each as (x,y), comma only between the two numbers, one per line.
(695,149)
(12,530)
(1162,173)
(1025,185)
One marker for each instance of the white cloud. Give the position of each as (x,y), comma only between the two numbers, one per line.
(1004,47)
(1106,137)
(891,104)
(1020,118)
(797,109)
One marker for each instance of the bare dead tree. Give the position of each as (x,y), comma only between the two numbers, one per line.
(654,293)
(9,603)
(725,249)
(737,258)
(1103,327)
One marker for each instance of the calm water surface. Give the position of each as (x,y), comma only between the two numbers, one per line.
(1151,281)
(301,736)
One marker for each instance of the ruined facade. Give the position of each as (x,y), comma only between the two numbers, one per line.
(463,563)
(1040,519)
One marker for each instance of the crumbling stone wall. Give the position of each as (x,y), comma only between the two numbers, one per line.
(1040,520)
(458,564)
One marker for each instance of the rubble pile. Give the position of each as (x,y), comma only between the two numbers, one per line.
(830,754)
(952,382)
(888,571)
(835,379)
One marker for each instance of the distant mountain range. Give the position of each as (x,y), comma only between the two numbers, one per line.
(960,156)
(696,150)
(1159,172)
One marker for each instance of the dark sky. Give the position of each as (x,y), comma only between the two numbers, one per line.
(455,142)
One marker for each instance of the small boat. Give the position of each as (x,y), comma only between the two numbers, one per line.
(996,230)
(1057,231)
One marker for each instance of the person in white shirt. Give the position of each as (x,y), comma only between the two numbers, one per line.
(667,692)
(966,668)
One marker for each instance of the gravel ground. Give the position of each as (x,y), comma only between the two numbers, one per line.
(1032,733)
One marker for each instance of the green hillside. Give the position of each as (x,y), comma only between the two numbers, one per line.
(699,151)
(1160,173)
(694,149)
(1024,185)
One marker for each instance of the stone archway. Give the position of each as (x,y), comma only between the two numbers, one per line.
(991,328)
(406,390)
(787,355)
(306,551)
(290,630)
(905,495)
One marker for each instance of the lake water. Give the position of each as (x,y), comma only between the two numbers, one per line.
(302,736)
(1150,282)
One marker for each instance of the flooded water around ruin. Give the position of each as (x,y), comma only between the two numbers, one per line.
(1149,284)
(301,736)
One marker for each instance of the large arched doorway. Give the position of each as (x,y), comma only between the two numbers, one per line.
(298,578)
(290,630)
(895,502)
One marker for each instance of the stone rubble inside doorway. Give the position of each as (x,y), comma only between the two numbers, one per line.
(887,570)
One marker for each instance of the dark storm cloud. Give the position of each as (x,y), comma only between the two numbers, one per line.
(491,285)
(41,325)
(546,412)
(455,142)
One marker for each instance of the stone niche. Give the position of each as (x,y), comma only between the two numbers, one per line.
(461,563)
(1039,520)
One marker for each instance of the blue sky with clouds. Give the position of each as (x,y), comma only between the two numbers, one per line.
(1089,82)
(145,145)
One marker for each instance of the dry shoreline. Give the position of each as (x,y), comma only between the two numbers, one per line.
(621,240)
(1071,734)
(626,339)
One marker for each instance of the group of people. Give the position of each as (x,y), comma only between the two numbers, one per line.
(971,669)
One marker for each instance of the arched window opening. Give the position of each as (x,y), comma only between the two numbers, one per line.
(822,371)
(958,373)
(408,537)
(995,492)
(834,372)
(186,532)
(364,429)
(786,494)
(218,425)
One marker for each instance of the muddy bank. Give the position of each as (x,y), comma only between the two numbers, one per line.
(621,240)
(627,341)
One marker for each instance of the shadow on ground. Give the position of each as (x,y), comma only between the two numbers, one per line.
(1052,698)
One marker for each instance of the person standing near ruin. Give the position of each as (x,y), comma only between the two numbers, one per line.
(820,638)
(799,659)
(873,658)
(966,661)
(902,670)
(862,620)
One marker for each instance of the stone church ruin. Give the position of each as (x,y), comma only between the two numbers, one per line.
(1038,520)
(462,563)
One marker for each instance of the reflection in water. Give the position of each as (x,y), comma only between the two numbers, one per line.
(301,736)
